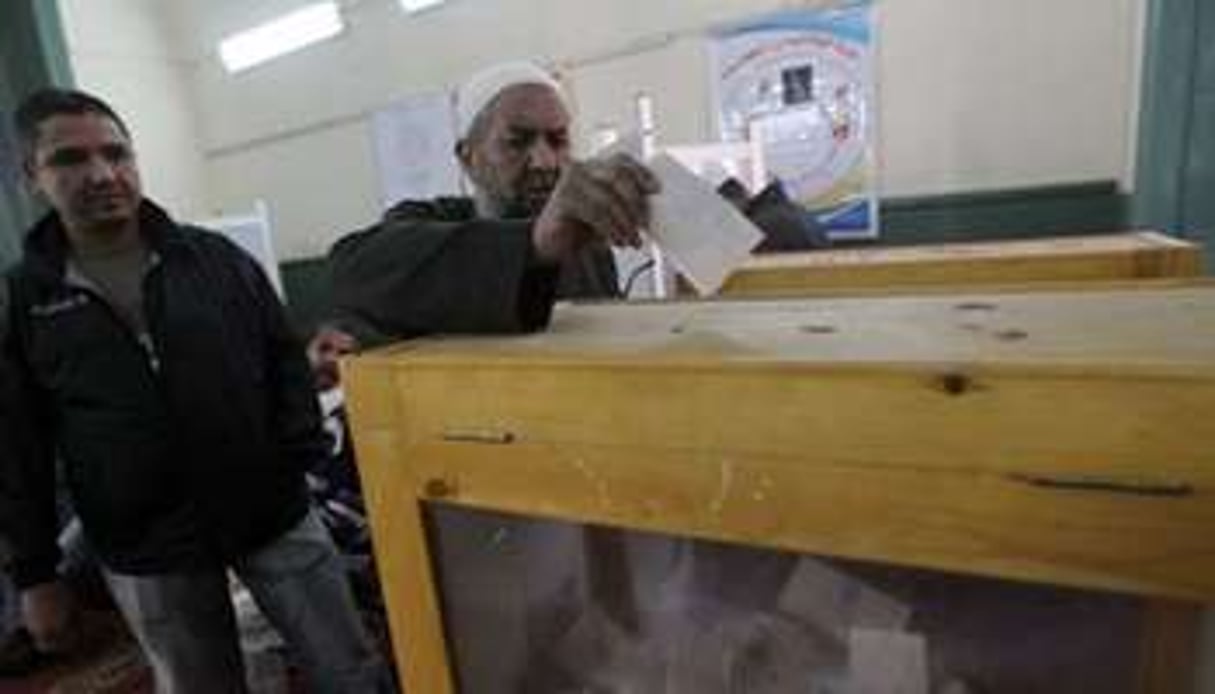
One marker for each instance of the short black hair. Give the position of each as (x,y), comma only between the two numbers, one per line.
(46,103)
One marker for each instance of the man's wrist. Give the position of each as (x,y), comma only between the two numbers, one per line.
(541,250)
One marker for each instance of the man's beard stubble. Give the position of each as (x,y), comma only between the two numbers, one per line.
(532,192)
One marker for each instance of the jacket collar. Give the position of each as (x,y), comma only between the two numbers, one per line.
(47,246)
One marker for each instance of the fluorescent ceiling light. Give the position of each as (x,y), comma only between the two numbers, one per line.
(412,6)
(277,37)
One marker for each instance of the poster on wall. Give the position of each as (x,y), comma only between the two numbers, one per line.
(414,141)
(802,83)
(253,233)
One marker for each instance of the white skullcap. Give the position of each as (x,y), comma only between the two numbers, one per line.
(482,88)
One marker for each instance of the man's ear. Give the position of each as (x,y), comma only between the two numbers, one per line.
(28,175)
(464,154)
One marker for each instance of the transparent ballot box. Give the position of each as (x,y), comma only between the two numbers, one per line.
(1018,481)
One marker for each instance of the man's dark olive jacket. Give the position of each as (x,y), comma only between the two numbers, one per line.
(435,267)
(179,454)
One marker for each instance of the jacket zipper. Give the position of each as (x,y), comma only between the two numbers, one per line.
(147,346)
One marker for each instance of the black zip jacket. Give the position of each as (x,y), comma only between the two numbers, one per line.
(180,454)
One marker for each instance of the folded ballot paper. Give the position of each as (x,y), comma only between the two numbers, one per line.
(700,233)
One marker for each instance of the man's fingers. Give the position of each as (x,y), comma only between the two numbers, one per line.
(637,183)
(601,210)
(610,197)
(644,179)
(626,194)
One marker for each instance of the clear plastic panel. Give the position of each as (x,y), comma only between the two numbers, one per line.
(545,607)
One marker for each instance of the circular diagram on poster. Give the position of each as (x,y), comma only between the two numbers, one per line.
(805,95)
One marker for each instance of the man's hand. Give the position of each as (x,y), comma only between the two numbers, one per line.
(605,198)
(47,611)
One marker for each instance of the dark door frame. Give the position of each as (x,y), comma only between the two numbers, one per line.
(1170,69)
(33,53)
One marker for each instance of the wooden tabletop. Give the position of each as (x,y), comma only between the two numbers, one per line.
(1168,329)
(1132,255)
(1128,242)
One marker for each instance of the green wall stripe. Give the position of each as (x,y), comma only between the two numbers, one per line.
(1079,208)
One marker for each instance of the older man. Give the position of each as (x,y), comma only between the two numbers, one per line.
(537,227)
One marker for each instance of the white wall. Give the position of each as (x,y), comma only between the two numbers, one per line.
(995,94)
(122,51)
(974,95)
(287,107)
(318,186)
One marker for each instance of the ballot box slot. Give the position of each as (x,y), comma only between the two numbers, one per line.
(1107,485)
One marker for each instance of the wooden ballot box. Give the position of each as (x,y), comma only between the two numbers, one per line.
(1050,437)
(1136,255)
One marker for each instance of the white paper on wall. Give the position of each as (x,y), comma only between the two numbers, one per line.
(415,141)
(253,233)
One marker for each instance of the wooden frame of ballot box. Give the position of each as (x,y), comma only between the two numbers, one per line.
(1050,436)
(1127,256)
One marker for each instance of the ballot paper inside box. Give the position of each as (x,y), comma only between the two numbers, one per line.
(537,606)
